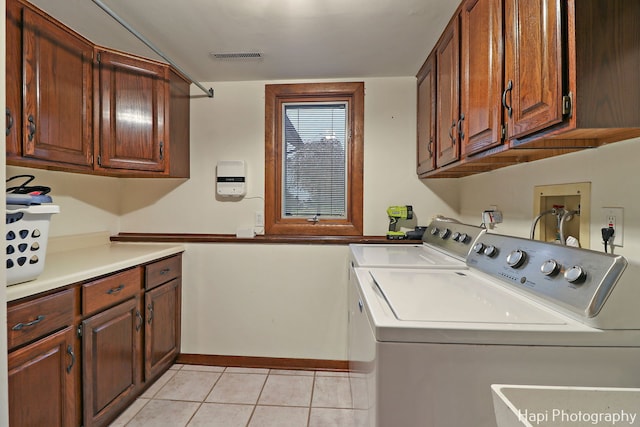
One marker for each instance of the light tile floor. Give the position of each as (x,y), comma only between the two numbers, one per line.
(213,396)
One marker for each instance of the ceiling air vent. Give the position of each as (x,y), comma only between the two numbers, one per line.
(236,55)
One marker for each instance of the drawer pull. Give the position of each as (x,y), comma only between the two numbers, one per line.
(115,290)
(164,271)
(21,325)
(73,358)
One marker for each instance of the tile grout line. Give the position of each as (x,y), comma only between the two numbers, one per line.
(205,397)
(313,388)
(255,405)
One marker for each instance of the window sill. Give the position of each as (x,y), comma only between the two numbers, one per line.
(231,238)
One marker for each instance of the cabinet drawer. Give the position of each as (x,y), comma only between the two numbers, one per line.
(105,292)
(162,271)
(34,319)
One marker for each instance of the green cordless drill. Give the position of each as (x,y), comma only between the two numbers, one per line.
(395,213)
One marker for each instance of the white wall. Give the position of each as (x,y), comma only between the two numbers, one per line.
(87,203)
(612,170)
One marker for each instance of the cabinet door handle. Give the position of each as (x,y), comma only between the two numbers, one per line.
(164,271)
(150,308)
(430,147)
(32,127)
(161,150)
(504,98)
(453,126)
(139,316)
(460,132)
(21,325)
(115,290)
(9,121)
(73,358)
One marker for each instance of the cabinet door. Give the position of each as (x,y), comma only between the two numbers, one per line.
(481,75)
(533,65)
(42,382)
(426,116)
(447,95)
(57,73)
(162,327)
(111,361)
(132,97)
(13,121)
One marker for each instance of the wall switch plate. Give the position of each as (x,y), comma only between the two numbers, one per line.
(614,217)
(259,219)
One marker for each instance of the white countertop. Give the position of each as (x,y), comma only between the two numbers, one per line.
(73,259)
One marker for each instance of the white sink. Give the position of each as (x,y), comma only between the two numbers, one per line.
(538,406)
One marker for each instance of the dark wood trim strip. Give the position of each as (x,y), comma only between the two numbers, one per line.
(263,362)
(230,238)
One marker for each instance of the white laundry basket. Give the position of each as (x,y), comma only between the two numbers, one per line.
(27,229)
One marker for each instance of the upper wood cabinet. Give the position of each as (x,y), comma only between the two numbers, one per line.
(573,65)
(481,75)
(131,99)
(427,116)
(56,83)
(77,107)
(533,66)
(447,54)
(13,84)
(569,81)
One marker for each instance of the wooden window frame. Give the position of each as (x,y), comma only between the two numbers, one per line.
(275,96)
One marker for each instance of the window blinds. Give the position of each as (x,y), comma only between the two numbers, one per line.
(314,142)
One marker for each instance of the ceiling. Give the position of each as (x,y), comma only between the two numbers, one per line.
(299,39)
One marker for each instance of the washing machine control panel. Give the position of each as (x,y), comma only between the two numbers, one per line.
(576,279)
(452,237)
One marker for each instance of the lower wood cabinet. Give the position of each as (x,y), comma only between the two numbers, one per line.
(80,356)
(42,386)
(111,371)
(162,328)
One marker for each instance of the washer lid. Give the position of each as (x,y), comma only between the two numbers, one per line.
(455,296)
(403,256)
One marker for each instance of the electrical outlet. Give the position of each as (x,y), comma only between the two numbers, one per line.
(259,219)
(614,217)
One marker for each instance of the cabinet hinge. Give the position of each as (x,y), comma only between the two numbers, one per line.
(567,104)
(79,331)
(99,160)
(503,132)
(98,57)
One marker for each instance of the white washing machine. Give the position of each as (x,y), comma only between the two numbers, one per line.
(425,345)
(445,244)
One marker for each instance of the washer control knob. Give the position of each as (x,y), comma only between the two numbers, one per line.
(444,234)
(550,268)
(434,231)
(478,248)
(491,251)
(575,274)
(464,238)
(456,236)
(516,258)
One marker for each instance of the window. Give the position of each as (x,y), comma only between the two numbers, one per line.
(313,158)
